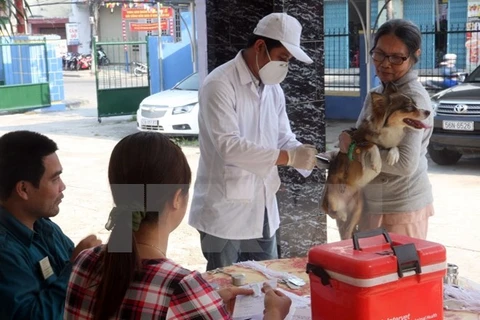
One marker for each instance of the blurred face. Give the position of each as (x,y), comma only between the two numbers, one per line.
(391,49)
(181,203)
(43,202)
(275,54)
(272,66)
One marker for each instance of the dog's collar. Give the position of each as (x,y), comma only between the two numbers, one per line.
(351,149)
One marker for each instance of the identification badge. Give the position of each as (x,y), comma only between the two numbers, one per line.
(46,268)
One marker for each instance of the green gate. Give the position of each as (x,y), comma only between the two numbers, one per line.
(24,76)
(122,77)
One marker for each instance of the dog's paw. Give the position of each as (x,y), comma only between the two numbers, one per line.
(342,215)
(375,162)
(393,156)
(376,166)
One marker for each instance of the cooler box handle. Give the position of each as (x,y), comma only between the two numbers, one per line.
(407,259)
(319,272)
(406,254)
(369,234)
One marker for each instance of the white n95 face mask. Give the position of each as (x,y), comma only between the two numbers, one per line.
(273,72)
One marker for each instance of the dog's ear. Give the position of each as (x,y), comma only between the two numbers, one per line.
(378,99)
(390,88)
(379,107)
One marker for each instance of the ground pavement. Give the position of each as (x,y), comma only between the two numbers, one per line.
(85,147)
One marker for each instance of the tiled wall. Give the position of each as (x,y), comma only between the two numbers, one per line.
(24,63)
(55,74)
(229,23)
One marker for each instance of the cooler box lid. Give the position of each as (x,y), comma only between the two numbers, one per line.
(377,254)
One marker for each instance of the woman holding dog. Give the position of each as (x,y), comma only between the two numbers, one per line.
(400,198)
(131,277)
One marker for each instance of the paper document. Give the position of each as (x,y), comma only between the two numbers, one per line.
(302,314)
(251,307)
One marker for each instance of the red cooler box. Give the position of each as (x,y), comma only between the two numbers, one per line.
(377,276)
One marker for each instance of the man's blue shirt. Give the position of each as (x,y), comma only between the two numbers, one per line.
(25,292)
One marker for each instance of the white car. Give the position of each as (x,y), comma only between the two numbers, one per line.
(173,111)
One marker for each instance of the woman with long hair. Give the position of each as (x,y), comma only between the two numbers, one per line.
(131,277)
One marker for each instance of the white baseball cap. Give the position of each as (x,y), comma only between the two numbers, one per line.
(287,30)
(450,56)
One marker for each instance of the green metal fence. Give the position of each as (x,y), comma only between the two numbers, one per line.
(122,77)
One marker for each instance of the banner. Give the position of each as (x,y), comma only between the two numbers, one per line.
(141,13)
(148,26)
(166,12)
(473,34)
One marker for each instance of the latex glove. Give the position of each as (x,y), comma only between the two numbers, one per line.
(328,156)
(302,157)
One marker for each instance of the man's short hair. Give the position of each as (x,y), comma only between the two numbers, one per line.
(21,158)
(271,43)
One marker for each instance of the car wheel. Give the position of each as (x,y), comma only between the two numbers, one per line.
(443,157)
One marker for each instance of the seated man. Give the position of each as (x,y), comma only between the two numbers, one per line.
(35,256)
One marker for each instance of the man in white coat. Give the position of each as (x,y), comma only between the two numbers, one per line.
(244,135)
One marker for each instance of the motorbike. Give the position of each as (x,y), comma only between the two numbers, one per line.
(69,61)
(84,61)
(449,75)
(102,57)
(445,82)
(140,69)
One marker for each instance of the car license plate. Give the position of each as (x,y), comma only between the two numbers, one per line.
(458,125)
(148,122)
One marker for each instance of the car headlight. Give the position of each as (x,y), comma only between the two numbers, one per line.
(435,105)
(183,109)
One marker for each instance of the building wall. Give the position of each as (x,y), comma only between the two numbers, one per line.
(336,48)
(49,17)
(46,8)
(81,16)
(110,25)
(177,62)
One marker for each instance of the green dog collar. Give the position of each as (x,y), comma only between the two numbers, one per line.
(351,149)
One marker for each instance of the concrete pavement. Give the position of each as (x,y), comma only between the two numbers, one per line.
(85,147)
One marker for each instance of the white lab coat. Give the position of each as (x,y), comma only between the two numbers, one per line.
(241,134)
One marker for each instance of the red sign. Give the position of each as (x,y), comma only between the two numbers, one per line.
(148,26)
(166,12)
(141,13)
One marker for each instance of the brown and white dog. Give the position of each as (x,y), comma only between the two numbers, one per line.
(348,173)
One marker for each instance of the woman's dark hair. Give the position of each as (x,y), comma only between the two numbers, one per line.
(146,168)
(270,43)
(21,158)
(403,29)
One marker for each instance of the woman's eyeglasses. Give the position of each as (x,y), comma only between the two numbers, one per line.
(380,57)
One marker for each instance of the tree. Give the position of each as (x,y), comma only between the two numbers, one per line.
(10,11)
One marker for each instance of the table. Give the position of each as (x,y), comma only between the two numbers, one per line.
(296,266)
